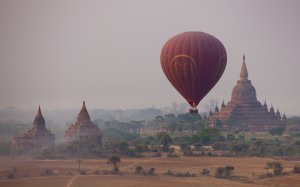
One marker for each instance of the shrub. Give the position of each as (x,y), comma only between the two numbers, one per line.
(297,168)
(47,172)
(151,171)
(82,172)
(139,170)
(276,131)
(228,170)
(224,171)
(276,166)
(169,172)
(140,148)
(205,172)
(219,172)
(132,153)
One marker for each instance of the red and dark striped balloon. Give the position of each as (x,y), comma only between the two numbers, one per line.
(193,62)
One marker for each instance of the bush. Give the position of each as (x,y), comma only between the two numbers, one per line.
(179,174)
(276,166)
(140,148)
(169,172)
(205,172)
(139,170)
(133,153)
(224,171)
(228,170)
(297,168)
(47,172)
(276,131)
(151,171)
(219,172)
(82,172)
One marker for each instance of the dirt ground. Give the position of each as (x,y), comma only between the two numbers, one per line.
(247,172)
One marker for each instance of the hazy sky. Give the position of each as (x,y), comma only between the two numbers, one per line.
(57,53)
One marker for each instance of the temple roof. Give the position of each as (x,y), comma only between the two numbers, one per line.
(83,114)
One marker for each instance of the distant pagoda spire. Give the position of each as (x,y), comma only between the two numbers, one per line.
(39,119)
(216,108)
(39,113)
(284,117)
(211,113)
(278,116)
(223,104)
(265,106)
(272,111)
(83,114)
(244,71)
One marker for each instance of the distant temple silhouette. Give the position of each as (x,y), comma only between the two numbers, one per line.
(36,137)
(244,111)
(83,129)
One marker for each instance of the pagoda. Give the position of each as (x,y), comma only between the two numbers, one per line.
(36,137)
(83,129)
(244,111)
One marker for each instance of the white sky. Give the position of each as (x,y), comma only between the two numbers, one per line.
(58,53)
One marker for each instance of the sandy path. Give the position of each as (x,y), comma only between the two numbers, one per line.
(72,180)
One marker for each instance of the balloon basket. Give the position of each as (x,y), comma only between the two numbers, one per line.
(194,111)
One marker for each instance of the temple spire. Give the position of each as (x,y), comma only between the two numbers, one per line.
(83,114)
(39,119)
(244,71)
(223,104)
(39,113)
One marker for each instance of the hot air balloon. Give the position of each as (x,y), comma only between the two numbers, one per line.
(193,62)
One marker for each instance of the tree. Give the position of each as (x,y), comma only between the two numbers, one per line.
(230,137)
(276,166)
(79,162)
(115,160)
(240,147)
(158,119)
(165,140)
(123,147)
(209,135)
(218,123)
(276,131)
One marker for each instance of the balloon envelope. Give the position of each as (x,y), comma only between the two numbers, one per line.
(193,62)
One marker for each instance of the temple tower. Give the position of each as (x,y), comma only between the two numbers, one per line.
(83,129)
(36,137)
(244,108)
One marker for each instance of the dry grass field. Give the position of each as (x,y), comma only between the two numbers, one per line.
(247,172)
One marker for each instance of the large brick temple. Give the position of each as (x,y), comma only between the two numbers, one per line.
(244,111)
(83,129)
(36,137)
